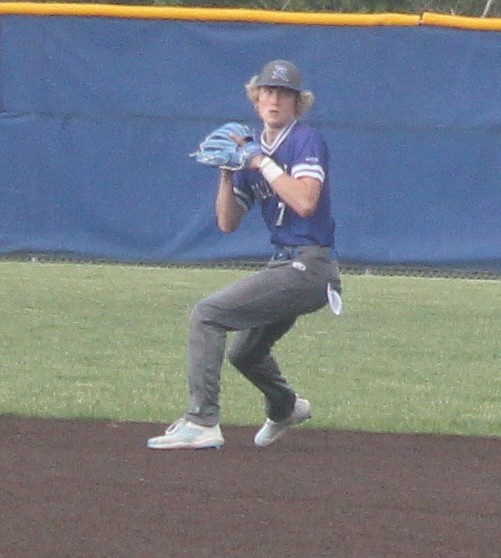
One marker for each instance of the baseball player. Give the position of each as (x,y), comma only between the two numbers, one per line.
(285,173)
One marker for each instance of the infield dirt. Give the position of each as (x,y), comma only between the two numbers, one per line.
(92,490)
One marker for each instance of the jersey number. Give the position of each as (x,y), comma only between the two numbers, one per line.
(281,214)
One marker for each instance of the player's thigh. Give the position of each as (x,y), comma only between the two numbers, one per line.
(270,296)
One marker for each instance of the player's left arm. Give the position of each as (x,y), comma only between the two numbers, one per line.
(300,194)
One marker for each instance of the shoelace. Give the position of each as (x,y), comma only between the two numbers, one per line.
(174,426)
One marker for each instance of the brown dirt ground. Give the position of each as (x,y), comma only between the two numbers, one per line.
(92,489)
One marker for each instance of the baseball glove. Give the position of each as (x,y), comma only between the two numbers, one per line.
(219,149)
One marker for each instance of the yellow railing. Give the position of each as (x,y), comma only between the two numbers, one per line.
(247,16)
(461,22)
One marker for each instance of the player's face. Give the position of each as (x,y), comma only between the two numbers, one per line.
(276,106)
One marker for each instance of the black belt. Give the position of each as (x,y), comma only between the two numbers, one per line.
(284,253)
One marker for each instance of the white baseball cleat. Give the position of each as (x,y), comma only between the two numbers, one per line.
(272,431)
(184,434)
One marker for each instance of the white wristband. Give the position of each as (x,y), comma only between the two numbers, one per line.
(269,169)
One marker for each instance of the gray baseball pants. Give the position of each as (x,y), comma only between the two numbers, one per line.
(261,308)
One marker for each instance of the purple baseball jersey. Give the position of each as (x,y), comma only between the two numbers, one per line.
(301,151)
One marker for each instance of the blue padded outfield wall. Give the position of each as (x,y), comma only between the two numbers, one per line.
(99,114)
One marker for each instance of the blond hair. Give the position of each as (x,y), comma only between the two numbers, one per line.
(304,100)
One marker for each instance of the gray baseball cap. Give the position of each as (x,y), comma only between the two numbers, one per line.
(280,73)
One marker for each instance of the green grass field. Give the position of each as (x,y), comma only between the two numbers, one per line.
(109,341)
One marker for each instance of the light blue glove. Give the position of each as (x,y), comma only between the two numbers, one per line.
(219,149)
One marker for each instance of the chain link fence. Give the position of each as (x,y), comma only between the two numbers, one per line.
(347,268)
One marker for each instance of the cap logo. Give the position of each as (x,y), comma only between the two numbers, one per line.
(280,74)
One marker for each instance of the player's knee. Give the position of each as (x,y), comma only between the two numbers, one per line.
(202,313)
(247,360)
(239,358)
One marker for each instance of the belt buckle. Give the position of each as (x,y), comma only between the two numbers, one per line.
(284,253)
